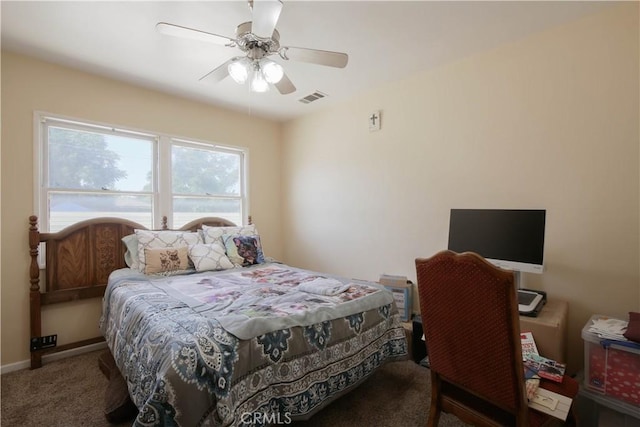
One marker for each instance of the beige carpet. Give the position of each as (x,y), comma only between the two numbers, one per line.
(70,392)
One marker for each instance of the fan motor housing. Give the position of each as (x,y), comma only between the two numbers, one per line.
(249,42)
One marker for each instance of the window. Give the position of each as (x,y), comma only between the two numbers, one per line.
(205,181)
(88,170)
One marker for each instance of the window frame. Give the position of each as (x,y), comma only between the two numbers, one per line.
(242,190)
(161,186)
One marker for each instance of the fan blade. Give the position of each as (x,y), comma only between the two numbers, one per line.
(218,73)
(265,17)
(315,56)
(190,33)
(285,86)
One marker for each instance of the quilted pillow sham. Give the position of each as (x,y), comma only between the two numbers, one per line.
(214,234)
(209,256)
(152,239)
(243,251)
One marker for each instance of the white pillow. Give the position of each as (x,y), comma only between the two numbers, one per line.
(214,234)
(148,239)
(131,254)
(209,256)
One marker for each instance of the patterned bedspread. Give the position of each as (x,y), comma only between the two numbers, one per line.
(245,347)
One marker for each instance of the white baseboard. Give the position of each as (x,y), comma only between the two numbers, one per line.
(11,367)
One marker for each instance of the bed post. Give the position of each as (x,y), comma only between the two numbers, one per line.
(34,289)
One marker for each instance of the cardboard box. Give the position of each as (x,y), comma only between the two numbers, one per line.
(611,367)
(401,289)
(549,329)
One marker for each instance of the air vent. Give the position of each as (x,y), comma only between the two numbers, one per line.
(313,97)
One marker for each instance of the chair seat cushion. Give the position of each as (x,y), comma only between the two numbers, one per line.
(473,404)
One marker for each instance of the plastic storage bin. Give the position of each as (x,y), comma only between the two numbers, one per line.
(598,410)
(611,367)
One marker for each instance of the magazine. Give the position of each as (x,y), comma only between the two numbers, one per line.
(528,345)
(545,368)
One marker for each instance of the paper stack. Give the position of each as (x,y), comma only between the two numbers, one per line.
(609,328)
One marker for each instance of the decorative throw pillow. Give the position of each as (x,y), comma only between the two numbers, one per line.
(131,254)
(148,239)
(209,256)
(633,328)
(164,260)
(243,250)
(214,234)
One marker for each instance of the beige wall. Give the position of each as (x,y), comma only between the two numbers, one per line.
(549,122)
(29,85)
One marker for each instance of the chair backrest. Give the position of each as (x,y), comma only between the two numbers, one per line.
(471,325)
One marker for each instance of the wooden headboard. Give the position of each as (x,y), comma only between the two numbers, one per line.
(79,260)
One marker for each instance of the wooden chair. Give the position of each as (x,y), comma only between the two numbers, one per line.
(471,324)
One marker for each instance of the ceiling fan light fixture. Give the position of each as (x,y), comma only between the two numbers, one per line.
(257,39)
(272,71)
(258,82)
(239,70)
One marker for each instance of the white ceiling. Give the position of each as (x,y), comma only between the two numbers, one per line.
(385,41)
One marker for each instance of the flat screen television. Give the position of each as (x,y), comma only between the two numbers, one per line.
(509,238)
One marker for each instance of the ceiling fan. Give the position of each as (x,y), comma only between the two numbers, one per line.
(258,40)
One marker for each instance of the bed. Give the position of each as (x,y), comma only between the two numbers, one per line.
(224,339)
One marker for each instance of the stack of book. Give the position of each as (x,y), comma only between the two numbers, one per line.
(537,367)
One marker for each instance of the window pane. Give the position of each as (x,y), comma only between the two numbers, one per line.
(94,170)
(204,172)
(186,209)
(95,161)
(66,209)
